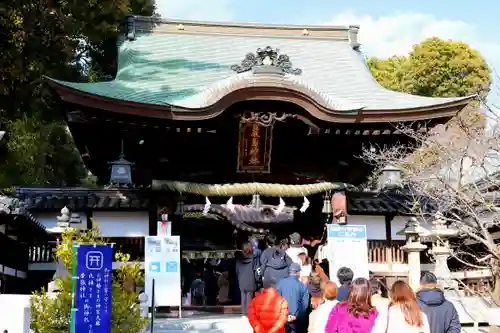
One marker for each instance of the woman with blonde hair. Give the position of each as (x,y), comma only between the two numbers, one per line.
(404,313)
(319,317)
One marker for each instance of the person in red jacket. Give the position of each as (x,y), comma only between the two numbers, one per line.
(268,312)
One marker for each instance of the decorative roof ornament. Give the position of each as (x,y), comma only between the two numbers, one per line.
(267,57)
(131,27)
(264,119)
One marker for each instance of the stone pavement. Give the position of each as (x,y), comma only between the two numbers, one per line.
(203,324)
(232,323)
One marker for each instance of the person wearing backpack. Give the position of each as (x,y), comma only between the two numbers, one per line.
(274,263)
(246,276)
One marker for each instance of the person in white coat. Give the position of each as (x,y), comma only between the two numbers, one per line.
(296,251)
(403,314)
(319,317)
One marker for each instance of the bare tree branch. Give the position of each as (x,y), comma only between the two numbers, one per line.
(455,169)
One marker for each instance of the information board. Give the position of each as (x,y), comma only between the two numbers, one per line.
(347,247)
(93,289)
(162,263)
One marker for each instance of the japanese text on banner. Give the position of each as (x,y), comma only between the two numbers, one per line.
(93,293)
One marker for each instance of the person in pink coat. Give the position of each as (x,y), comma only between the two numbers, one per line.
(356,314)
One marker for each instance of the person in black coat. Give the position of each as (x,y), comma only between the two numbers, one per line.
(274,263)
(441,313)
(246,276)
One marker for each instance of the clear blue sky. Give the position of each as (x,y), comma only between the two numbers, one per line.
(479,12)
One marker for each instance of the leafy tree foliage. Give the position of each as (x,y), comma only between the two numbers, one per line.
(435,68)
(51,314)
(66,40)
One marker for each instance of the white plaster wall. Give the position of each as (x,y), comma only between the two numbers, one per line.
(123,224)
(398,224)
(15,310)
(375,226)
(49,220)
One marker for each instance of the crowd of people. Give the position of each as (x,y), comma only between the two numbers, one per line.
(282,293)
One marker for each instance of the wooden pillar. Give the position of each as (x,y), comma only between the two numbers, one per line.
(153,215)
(388,237)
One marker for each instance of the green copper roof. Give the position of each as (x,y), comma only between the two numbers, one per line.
(193,70)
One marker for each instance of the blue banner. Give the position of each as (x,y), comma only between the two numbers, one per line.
(93,289)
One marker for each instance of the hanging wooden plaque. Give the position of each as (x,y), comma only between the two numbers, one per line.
(254,148)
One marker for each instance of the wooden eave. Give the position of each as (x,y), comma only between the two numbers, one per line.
(171,112)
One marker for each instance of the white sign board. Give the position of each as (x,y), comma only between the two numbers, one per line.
(347,247)
(162,263)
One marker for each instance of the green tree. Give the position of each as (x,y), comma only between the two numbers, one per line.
(52,314)
(59,39)
(388,72)
(435,68)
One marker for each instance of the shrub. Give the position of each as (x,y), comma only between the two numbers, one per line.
(51,313)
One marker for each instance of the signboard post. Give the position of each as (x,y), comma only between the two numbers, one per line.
(93,289)
(162,263)
(347,247)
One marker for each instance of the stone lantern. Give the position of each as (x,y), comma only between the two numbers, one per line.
(64,221)
(413,247)
(441,251)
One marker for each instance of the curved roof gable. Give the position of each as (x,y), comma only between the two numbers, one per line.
(188,65)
